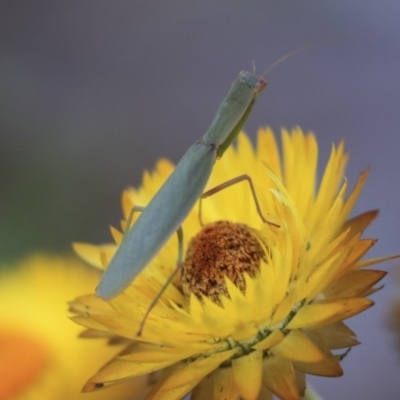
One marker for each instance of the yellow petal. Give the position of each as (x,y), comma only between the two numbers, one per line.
(223,387)
(116,234)
(88,322)
(151,353)
(297,346)
(271,340)
(331,178)
(372,261)
(120,370)
(284,308)
(359,223)
(300,158)
(91,253)
(176,382)
(357,251)
(354,283)
(204,390)
(328,366)
(337,336)
(242,310)
(301,382)
(92,304)
(265,394)
(279,377)
(351,200)
(247,374)
(208,315)
(326,312)
(268,152)
(311,286)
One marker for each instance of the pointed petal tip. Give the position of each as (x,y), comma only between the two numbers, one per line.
(91,386)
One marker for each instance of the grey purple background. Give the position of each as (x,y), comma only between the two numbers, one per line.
(92,92)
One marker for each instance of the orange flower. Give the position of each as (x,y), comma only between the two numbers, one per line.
(41,355)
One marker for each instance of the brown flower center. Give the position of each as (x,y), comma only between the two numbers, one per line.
(221,249)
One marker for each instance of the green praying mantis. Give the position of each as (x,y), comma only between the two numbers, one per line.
(177,196)
(173,202)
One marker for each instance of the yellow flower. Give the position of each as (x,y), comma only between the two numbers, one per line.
(257,306)
(41,356)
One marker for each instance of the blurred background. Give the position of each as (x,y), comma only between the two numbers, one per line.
(93,92)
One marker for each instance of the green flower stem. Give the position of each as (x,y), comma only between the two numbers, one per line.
(311,394)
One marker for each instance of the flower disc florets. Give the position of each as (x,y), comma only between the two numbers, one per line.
(221,249)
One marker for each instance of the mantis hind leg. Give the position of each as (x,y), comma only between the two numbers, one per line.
(159,294)
(229,183)
(179,233)
(169,280)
